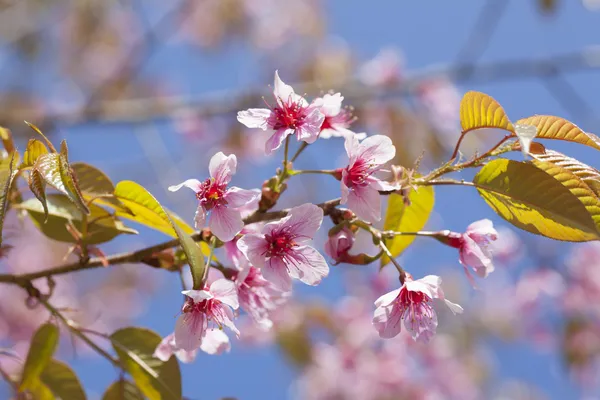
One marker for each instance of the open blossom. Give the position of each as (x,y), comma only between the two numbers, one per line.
(216,198)
(281,250)
(258,297)
(215,341)
(411,303)
(291,115)
(204,309)
(337,119)
(360,188)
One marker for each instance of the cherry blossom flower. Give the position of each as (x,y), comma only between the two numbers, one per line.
(337,119)
(411,303)
(474,249)
(214,341)
(291,115)
(337,245)
(384,70)
(281,249)
(258,297)
(222,203)
(359,186)
(203,308)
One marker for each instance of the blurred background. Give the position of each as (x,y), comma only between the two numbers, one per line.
(149,90)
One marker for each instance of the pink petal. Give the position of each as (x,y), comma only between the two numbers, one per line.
(193,184)
(378,148)
(304,221)
(275,141)
(215,341)
(365,202)
(255,117)
(254,247)
(311,126)
(423,329)
(352,146)
(387,298)
(285,93)
(332,104)
(472,255)
(275,271)
(308,266)
(432,283)
(186,356)
(387,320)
(225,223)
(189,329)
(223,315)
(237,197)
(455,308)
(345,190)
(222,167)
(165,348)
(197,295)
(200,217)
(224,290)
(482,231)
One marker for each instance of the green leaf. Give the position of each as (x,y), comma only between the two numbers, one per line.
(156,379)
(94,183)
(587,174)
(102,226)
(146,210)
(551,127)
(34,150)
(533,200)
(37,185)
(42,347)
(62,381)
(122,390)
(7,175)
(39,132)
(194,256)
(478,110)
(402,218)
(54,169)
(39,391)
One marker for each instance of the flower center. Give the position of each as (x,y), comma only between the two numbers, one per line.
(358,173)
(211,194)
(342,120)
(279,244)
(287,115)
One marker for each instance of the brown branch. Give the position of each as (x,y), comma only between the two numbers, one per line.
(24,280)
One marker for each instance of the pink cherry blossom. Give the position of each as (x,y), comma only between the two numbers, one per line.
(281,250)
(360,188)
(411,303)
(473,248)
(222,203)
(337,119)
(291,115)
(258,297)
(203,308)
(337,245)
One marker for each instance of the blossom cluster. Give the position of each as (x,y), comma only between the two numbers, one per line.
(267,257)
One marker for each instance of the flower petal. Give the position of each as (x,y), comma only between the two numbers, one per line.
(482,231)
(225,223)
(237,197)
(472,255)
(215,341)
(285,93)
(387,320)
(165,348)
(254,247)
(387,298)
(200,217)
(276,139)
(275,271)
(378,149)
(193,184)
(332,104)
(224,290)
(189,329)
(197,295)
(455,308)
(307,265)
(304,221)
(311,126)
(222,167)
(365,202)
(255,118)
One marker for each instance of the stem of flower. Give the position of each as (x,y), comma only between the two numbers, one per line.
(460,139)
(393,260)
(72,327)
(311,171)
(389,234)
(303,146)
(285,155)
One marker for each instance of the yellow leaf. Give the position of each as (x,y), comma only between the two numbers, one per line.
(533,200)
(550,127)
(589,175)
(478,110)
(94,183)
(402,218)
(7,175)
(43,345)
(35,148)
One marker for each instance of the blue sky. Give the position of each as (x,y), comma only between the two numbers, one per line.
(429,33)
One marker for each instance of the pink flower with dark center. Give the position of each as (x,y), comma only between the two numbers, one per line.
(360,188)
(258,297)
(473,247)
(223,203)
(413,304)
(281,250)
(337,119)
(291,115)
(211,307)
